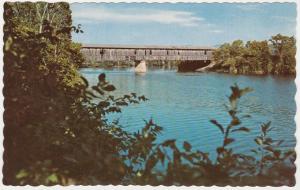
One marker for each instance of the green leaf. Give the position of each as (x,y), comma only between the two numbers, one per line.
(96,88)
(265,127)
(258,141)
(104,104)
(134,95)
(245,91)
(101,77)
(91,94)
(187,146)
(235,121)
(277,153)
(85,81)
(220,150)
(269,148)
(109,88)
(122,103)
(53,178)
(143,98)
(245,129)
(268,141)
(279,142)
(22,174)
(228,141)
(8,43)
(114,109)
(218,125)
(268,157)
(170,142)
(237,93)
(246,116)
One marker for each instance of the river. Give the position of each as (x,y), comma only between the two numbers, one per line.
(183,104)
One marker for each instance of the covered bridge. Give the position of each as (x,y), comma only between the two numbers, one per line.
(102,52)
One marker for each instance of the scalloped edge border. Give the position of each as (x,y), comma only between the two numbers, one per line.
(109,187)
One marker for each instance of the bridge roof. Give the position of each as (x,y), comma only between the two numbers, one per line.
(117,46)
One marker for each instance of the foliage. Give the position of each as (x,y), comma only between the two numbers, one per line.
(185,166)
(47,102)
(276,56)
(39,81)
(56,131)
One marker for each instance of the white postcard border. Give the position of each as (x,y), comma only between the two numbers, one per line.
(111,187)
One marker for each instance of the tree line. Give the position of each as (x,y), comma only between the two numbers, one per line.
(274,56)
(56,130)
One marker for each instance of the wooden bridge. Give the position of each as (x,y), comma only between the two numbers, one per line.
(101,52)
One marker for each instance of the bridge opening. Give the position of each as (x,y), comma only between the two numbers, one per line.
(189,66)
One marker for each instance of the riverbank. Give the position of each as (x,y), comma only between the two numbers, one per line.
(213,67)
(216,69)
(206,69)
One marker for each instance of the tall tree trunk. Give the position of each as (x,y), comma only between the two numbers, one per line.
(42,17)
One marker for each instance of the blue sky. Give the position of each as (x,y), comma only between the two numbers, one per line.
(181,23)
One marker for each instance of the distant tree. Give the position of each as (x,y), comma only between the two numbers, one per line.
(221,54)
(283,54)
(257,57)
(230,56)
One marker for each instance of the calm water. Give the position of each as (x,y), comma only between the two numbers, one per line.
(183,104)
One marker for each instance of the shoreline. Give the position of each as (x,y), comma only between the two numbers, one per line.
(207,71)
